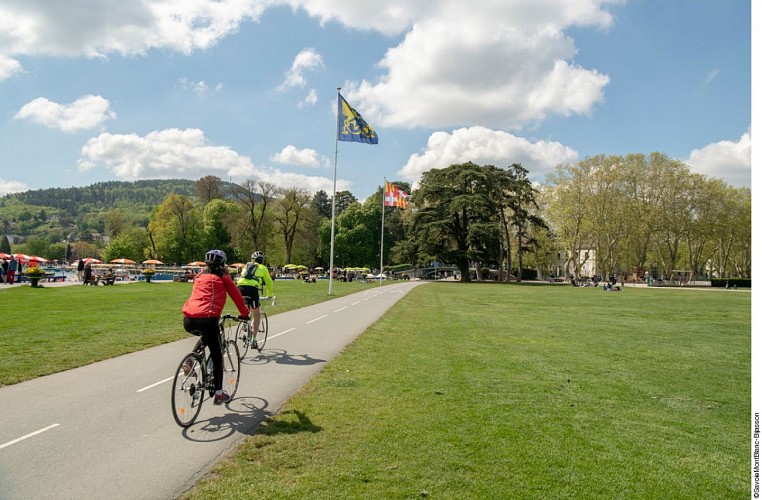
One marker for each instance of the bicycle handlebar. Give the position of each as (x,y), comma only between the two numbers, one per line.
(272,299)
(234,318)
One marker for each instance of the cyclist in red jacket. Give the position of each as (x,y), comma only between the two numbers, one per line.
(203,309)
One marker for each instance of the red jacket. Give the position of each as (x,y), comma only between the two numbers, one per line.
(209,295)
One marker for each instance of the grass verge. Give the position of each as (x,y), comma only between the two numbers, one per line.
(485,391)
(50,329)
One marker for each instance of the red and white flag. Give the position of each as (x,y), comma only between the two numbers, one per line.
(394,196)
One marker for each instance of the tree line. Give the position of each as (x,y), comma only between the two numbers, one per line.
(632,214)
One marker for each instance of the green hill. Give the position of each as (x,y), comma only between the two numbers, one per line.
(55,213)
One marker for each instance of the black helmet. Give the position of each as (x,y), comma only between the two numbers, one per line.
(258,256)
(215,258)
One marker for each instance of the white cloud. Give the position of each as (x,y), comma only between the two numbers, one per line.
(390,17)
(163,153)
(290,155)
(310,100)
(451,71)
(306,60)
(447,71)
(727,160)
(8,67)
(174,153)
(200,88)
(308,182)
(96,28)
(7,187)
(86,113)
(485,146)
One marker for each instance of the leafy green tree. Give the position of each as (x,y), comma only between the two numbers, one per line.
(56,251)
(128,245)
(256,224)
(358,236)
(343,200)
(83,249)
(116,222)
(36,246)
(209,188)
(290,214)
(176,230)
(521,199)
(220,217)
(5,245)
(454,217)
(321,203)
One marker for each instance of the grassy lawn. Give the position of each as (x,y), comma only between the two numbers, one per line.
(491,391)
(50,329)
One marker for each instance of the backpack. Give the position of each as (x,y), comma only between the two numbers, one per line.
(249,274)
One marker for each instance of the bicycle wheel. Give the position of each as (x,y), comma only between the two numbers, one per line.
(262,333)
(187,390)
(232,368)
(242,338)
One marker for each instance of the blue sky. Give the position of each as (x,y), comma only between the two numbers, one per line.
(244,89)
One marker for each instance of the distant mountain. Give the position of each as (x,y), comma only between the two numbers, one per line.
(106,195)
(42,211)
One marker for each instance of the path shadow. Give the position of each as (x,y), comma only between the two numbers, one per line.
(288,422)
(286,358)
(243,415)
(248,416)
(281,356)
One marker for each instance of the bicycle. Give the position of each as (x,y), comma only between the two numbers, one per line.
(194,378)
(244,339)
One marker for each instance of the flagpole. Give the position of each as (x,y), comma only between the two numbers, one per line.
(383,211)
(333,199)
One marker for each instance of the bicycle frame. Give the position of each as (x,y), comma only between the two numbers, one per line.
(194,381)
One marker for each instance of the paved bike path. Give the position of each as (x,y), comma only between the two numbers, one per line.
(106,430)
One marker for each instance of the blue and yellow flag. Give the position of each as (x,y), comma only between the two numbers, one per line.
(352,127)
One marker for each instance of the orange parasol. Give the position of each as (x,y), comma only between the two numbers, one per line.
(122,261)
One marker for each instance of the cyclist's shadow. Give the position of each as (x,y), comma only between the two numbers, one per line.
(281,356)
(242,415)
(245,416)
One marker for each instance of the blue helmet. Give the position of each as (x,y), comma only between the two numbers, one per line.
(215,258)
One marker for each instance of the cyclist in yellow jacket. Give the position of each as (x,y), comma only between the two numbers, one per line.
(254,275)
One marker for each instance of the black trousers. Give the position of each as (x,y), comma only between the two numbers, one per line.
(209,328)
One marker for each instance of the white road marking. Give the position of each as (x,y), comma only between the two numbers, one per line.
(281,333)
(271,337)
(9,443)
(154,385)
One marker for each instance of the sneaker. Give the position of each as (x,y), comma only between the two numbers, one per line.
(186,366)
(221,398)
